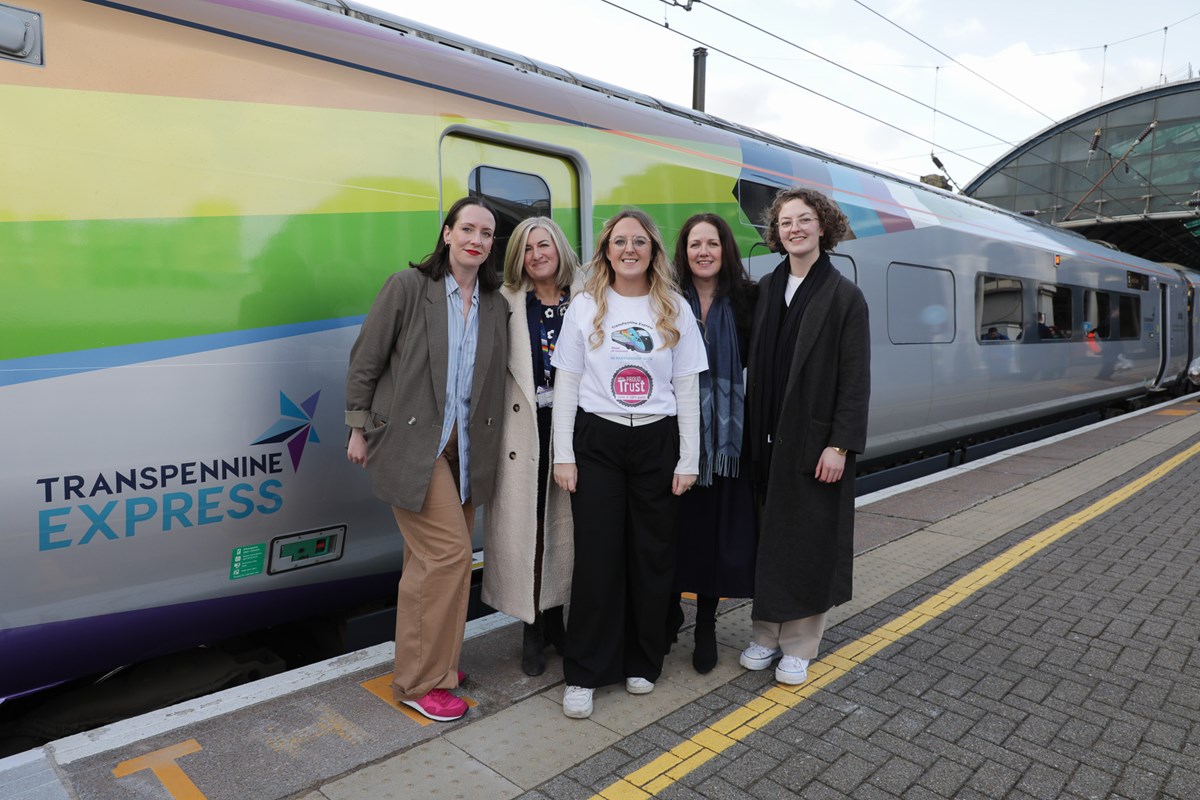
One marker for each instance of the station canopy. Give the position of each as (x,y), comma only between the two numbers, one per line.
(1125,172)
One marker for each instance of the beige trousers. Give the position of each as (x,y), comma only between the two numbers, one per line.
(431,602)
(797,637)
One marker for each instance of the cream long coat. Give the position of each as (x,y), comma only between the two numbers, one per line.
(510,519)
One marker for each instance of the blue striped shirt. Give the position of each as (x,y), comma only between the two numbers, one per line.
(463,340)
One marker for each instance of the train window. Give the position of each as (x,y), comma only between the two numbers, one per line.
(754,199)
(920,304)
(514,195)
(1129,315)
(1054,313)
(999,309)
(1097,313)
(1112,315)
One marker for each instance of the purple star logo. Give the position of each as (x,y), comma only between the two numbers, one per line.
(294,426)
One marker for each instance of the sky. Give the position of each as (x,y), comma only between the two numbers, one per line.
(1005,70)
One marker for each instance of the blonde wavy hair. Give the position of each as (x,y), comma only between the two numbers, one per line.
(514,257)
(665,298)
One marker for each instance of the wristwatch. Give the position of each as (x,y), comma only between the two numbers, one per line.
(841,451)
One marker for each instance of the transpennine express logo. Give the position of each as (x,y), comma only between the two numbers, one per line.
(294,426)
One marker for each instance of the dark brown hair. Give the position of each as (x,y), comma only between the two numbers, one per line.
(437,264)
(732,277)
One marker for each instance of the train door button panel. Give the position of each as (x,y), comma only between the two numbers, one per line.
(306,549)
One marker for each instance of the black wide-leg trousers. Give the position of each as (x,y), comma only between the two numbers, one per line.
(624,574)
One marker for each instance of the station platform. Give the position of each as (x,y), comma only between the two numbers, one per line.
(1025,626)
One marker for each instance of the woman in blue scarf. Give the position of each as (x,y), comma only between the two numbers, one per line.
(717,531)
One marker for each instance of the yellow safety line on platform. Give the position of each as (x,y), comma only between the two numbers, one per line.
(665,770)
(381,687)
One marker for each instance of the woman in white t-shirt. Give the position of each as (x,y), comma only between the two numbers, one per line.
(626,445)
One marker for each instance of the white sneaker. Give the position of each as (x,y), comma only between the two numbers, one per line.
(577,702)
(757,657)
(792,670)
(638,686)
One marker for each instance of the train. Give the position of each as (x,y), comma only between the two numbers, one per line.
(202,198)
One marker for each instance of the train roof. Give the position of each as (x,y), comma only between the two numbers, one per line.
(506,58)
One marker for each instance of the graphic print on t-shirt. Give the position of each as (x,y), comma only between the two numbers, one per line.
(631,386)
(634,338)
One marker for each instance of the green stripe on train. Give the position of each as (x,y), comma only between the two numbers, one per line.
(100,283)
(85,284)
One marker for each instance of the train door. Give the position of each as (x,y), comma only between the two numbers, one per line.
(1176,341)
(520,179)
(1164,334)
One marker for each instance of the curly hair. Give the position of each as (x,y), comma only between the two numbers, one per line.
(834,225)
(664,289)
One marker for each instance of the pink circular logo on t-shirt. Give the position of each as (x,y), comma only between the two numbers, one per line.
(631,386)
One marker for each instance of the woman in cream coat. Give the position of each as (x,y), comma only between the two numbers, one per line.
(527,544)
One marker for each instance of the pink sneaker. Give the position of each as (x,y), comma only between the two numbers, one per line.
(462,677)
(438,705)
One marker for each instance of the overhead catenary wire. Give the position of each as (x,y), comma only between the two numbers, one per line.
(1121,203)
(826,97)
(1094,144)
(1064,201)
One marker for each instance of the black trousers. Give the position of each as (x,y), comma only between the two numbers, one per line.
(624,574)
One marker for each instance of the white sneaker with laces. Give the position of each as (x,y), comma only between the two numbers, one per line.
(577,702)
(792,670)
(638,686)
(757,657)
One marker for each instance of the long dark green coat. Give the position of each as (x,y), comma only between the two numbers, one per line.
(806,533)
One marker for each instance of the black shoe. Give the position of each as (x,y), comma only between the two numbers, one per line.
(674,620)
(704,658)
(533,649)
(554,631)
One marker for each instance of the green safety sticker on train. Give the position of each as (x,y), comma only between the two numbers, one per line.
(247,561)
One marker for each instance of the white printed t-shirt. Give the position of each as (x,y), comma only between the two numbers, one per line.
(631,371)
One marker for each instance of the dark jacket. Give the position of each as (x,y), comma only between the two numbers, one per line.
(396,388)
(806,528)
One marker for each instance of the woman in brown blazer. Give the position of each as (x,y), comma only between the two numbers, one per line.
(424,401)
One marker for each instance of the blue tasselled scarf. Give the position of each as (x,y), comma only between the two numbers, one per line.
(722,392)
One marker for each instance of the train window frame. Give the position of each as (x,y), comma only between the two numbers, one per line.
(907,325)
(984,324)
(1123,308)
(1061,299)
(507,217)
(845,265)
(744,197)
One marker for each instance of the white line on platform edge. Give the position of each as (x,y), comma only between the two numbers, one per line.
(135,729)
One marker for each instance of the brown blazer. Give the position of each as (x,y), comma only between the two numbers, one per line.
(396,388)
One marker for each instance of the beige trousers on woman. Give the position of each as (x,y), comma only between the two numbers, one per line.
(797,637)
(431,603)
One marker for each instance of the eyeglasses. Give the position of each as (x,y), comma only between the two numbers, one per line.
(801,222)
(639,242)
